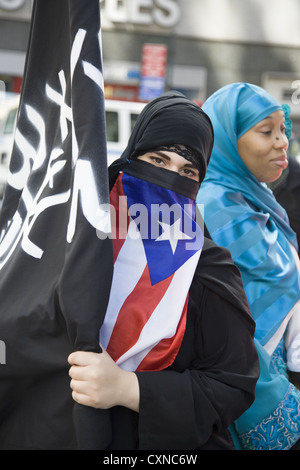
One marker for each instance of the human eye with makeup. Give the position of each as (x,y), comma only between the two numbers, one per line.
(171,161)
(190,172)
(156,159)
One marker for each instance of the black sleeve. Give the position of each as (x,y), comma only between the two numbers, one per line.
(181,409)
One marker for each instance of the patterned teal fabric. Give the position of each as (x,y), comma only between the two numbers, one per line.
(242,215)
(279,429)
(282,434)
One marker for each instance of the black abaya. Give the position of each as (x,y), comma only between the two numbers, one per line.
(212,380)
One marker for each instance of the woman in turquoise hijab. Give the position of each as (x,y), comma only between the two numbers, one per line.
(251,140)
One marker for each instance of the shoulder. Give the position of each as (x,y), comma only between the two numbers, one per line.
(221,205)
(218,276)
(216,264)
(231,218)
(217,197)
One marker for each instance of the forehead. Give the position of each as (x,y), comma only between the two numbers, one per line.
(276,116)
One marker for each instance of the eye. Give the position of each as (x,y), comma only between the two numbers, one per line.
(283,128)
(187,171)
(157,160)
(269,132)
(190,173)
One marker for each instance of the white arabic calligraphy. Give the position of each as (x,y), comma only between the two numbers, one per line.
(84,182)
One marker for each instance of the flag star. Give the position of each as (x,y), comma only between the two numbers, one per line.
(172,233)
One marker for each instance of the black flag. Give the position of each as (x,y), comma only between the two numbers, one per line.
(55,255)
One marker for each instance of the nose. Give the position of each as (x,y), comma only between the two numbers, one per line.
(281,141)
(174,167)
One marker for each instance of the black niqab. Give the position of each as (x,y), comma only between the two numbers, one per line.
(169,119)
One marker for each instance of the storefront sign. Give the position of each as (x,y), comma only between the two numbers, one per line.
(153,71)
(164,13)
(11,4)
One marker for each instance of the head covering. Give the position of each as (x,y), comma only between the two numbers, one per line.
(167,120)
(182,150)
(243,215)
(254,105)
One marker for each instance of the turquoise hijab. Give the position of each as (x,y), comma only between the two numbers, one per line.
(243,215)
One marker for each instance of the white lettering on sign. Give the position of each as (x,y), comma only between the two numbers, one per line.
(296,93)
(11,4)
(164,13)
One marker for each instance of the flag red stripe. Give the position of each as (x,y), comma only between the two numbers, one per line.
(132,318)
(119,213)
(164,353)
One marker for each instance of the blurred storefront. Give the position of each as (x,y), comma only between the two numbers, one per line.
(207,43)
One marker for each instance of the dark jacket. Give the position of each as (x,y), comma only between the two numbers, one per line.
(212,380)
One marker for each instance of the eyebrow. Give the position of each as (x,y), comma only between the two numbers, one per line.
(161,154)
(272,117)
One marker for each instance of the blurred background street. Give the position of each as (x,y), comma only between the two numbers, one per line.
(149,46)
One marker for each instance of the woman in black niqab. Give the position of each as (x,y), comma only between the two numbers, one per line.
(194,384)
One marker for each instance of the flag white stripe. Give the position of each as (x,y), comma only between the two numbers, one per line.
(156,328)
(128,268)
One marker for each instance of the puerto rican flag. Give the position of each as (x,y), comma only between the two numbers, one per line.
(157,245)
